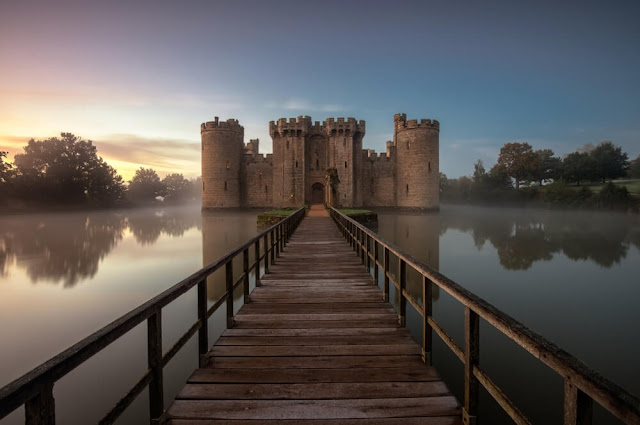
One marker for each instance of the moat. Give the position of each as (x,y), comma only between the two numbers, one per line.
(72,274)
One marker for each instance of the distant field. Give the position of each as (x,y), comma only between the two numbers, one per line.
(633,186)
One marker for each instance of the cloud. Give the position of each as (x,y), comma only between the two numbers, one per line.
(102,96)
(296,104)
(164,155)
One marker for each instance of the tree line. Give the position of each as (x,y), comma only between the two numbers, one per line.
(68,171)
(521,174)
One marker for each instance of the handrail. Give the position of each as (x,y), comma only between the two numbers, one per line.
(582,385)
(35,388)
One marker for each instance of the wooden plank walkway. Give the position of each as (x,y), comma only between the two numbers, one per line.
(316,345)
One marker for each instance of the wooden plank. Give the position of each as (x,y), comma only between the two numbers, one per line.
(313,391)
(407,373)
(315,362)
(314,409)
(409,348)
(380,333)
(315,340)
(305,324)
(318,316)
(438,420)
(293,308)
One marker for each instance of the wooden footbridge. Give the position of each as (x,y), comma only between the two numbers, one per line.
(317,342)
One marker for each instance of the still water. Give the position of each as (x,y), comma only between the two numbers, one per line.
(570,276)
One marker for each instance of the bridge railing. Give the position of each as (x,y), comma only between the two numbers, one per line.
(34,390)
(582,385)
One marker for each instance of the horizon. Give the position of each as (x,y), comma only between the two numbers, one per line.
(139,79)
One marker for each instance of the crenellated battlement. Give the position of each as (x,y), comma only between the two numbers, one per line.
(231,124)
(344,125)
(401,123)
(282,127)
(254,159)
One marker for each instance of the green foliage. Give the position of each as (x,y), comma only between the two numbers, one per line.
(145,186)
(331,175)
(518,161)
(610,162)
(5,169)
(612,196)
(177,188)
(578,167)
(66,170)
(634,168)
(548,167)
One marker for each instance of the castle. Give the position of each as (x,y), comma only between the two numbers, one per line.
(305,153)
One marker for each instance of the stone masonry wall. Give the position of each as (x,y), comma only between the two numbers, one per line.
(258,181)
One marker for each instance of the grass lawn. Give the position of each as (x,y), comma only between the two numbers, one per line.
(633,186)
(347,211)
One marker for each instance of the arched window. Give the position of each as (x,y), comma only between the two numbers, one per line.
(202,184)
(429,166)
(344,142)
(228,164)
(226,185)
(345,164)
(296,164)
(407,189)
(266,189)
(317,164)
(408,144)
(287,144)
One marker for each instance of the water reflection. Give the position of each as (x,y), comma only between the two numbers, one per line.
(68,248)
(523,238)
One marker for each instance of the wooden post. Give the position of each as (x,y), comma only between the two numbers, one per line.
(278,241)
(154,362)
(229,279)
(578,406)
(281,236)
(427,311)
(245,269)
(272,247)
(363,247)
(256,251)
(368,239)
(375,262)
(471,359)
(402,279)
(41,409)
(285,233)
(386,273)
(203,332)
(266,253)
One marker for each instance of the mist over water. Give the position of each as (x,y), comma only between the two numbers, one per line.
(568,275)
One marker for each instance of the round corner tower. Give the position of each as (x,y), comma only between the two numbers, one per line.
(222,150)
(417,162)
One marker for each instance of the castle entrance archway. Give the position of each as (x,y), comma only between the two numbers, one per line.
(317,193)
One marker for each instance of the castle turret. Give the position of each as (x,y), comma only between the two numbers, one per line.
(222,153)
(345,154)
(289,156)
(417,162)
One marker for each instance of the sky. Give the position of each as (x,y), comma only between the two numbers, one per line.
(139,77)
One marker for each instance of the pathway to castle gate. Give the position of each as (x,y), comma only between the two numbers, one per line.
(317,344)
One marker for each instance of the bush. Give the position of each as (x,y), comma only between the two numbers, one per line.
(612,196)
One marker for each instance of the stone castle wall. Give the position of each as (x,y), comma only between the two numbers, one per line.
(236,175)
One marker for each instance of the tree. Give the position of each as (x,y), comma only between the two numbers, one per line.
(5,176)
(610,161)
(479,172)
(577,167)
(548,166)
(634,168)
(66,170)
(177,188)
(145,186)
(518,161)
